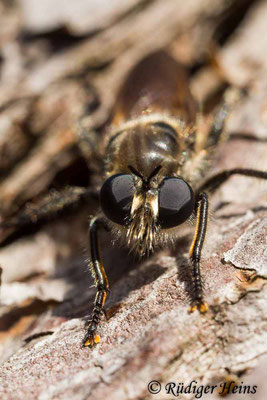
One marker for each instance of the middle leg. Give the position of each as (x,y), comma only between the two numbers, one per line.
(49,207)
(217,180)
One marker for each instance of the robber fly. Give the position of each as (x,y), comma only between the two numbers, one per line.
(154,155)
(154,158)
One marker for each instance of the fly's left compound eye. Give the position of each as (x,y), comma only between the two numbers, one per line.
(176,202)
(116,197)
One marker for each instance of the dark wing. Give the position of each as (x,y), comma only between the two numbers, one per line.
(157,83)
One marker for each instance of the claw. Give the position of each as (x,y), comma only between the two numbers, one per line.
(90,339)
(202,307)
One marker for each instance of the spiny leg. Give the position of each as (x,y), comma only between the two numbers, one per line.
(87,140)
(231,96)
(202,216)
(101,283)
(48,207)
(195,253)
(217,180)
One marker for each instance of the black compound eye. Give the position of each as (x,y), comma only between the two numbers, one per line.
(176,202)
(116,197)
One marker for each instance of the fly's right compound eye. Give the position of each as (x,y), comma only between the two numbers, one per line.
(176,202)
(116,197)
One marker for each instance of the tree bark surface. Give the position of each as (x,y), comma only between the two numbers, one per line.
(52,69)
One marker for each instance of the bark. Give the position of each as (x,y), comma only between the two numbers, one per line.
(52,70)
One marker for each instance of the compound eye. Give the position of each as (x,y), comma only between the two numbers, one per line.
(176,202)
(116,197)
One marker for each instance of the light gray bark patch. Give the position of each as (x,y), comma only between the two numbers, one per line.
(250,251)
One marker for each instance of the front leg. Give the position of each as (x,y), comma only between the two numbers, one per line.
(195,253)
(101,283)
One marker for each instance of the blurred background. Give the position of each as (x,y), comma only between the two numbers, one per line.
(63,60)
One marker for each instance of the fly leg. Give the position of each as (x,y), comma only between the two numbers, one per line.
(217,180)
(231,97)
(210,185)
(87,139)
(195,253)
(45,209)
(101,283)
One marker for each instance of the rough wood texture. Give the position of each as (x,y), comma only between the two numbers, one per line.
(55,71)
